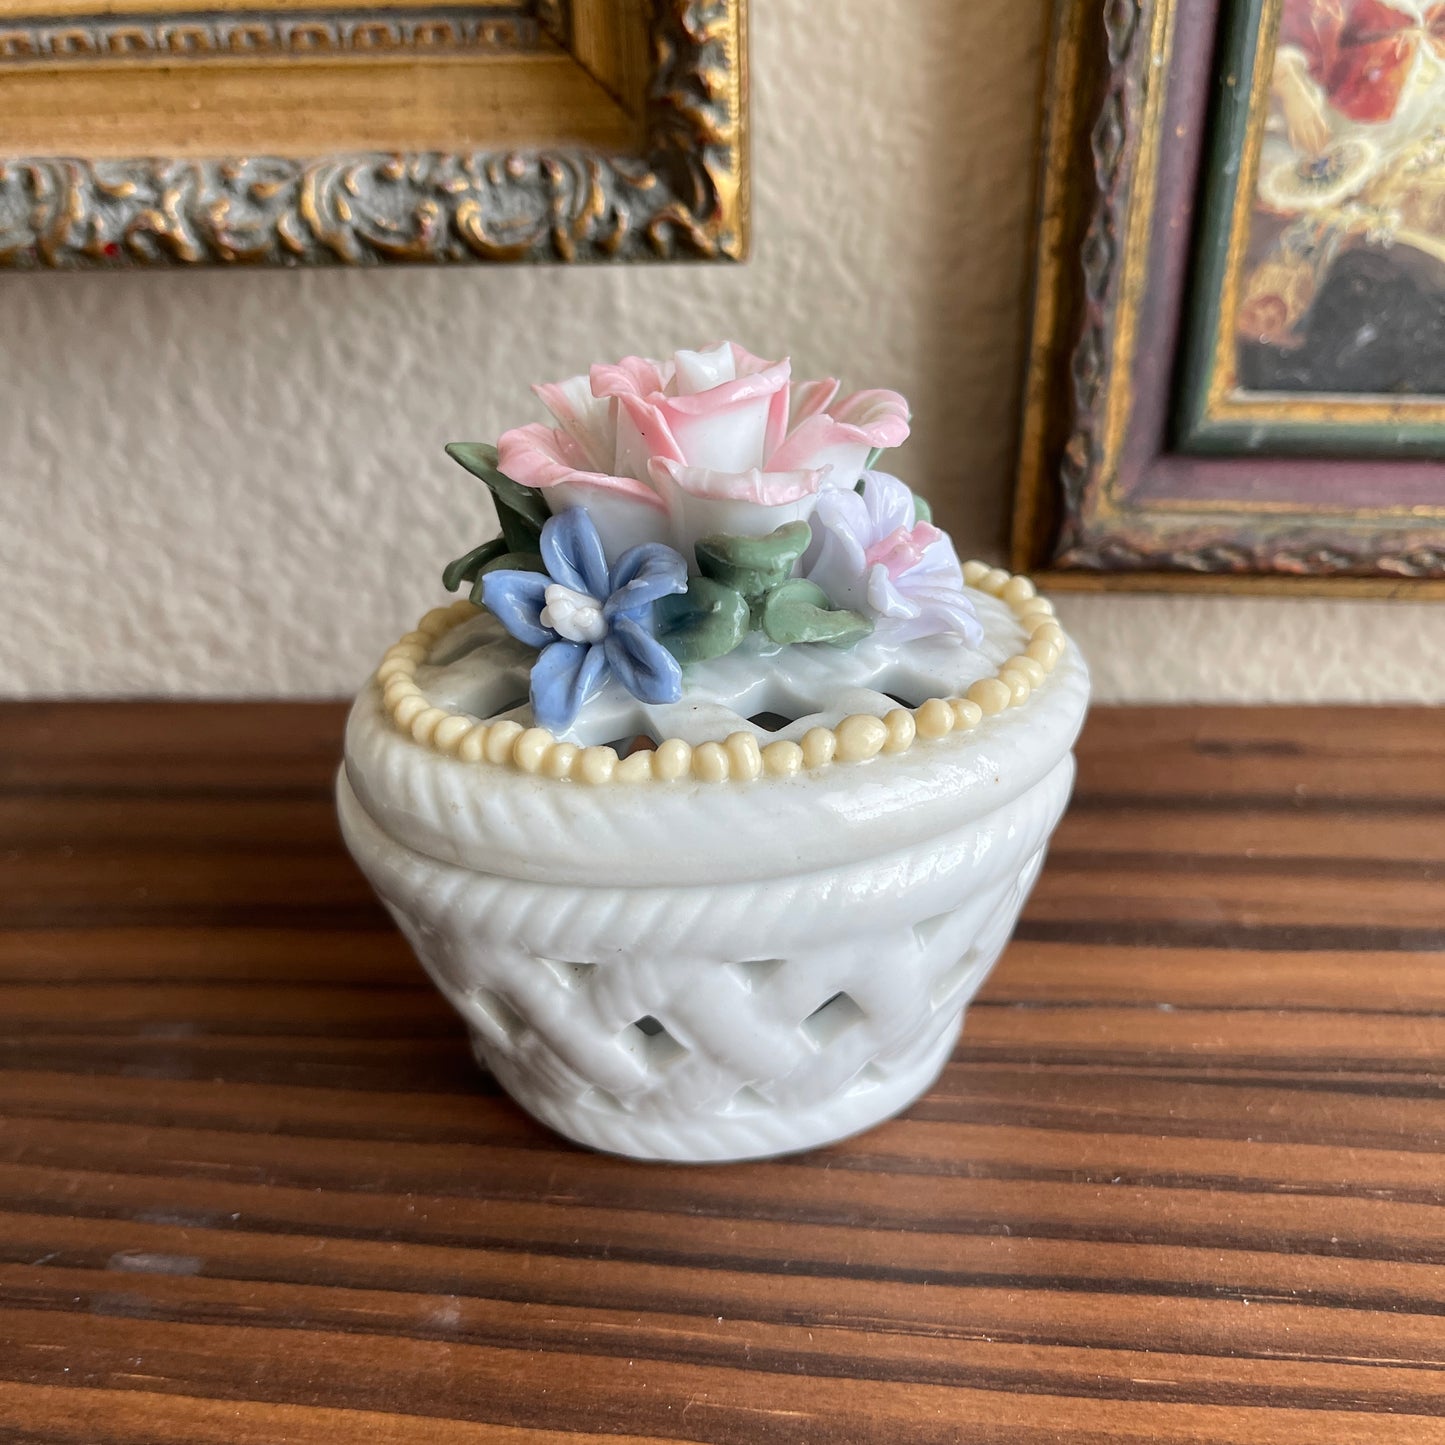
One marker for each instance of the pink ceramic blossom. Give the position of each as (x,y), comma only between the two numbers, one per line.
(873,555)
(711,441)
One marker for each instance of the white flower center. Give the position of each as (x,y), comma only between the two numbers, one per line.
(573,615)
(702,370)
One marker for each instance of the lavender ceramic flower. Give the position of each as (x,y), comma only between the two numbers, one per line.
(872,554)
(589,621)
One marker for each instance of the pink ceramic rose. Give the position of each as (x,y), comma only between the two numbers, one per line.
(714,441)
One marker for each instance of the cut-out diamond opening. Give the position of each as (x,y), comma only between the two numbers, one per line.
(747,1100)
(867,1078)
(491,685)
(907,686)
(602,1101)
(509,705)
(755,972)
(772,722)
(927,932)
(624,747)
(567,973)
(650,1040)
(951,983)
(499,1013)
(828,1023)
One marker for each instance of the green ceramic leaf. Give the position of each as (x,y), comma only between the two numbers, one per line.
(873,458)
(522,511)
(799,611)
(466,569)
(754,565)
(506,562)
(706,621)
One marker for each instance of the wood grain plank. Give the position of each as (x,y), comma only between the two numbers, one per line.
(72,1415)
(557,1250)
(1306,757)
(239,956)
(517,1386)
(1078,974)
(1185,830)
(977,1335)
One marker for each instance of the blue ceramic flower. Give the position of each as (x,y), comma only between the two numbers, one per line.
(589,621)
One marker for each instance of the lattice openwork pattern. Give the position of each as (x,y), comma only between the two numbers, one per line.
(477,669)
(631,1052)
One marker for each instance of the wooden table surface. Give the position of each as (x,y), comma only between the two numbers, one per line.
(1183,1179)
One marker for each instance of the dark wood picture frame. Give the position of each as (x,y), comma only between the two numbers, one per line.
(309,132)
(1107,498)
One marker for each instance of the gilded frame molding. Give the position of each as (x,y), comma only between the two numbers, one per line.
(1106,500)
(682,194)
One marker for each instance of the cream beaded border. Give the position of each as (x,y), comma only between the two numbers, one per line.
(854,740)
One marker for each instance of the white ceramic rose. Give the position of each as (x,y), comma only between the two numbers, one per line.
(713,441)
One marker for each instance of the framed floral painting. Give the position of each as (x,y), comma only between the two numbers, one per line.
(1238,358)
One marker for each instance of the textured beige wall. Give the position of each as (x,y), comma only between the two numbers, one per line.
(233,483)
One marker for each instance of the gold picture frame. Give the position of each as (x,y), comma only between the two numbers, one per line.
(153,133)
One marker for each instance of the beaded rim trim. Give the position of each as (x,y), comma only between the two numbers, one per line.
(738,757)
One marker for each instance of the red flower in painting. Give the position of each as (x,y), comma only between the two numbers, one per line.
(1361,51)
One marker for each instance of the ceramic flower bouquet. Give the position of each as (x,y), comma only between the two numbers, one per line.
(712,804)
(678,507)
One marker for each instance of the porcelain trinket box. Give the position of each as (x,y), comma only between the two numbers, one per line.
(712,806)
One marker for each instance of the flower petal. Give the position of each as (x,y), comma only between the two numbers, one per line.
(882,416)
(726,427)
(765,489)
(823,442)
(889,503)
(939,566)
(642,664)
(744,362)
(886,597)
(620,522)
(835,563)
(540,456)
(572,552)
(642,433)
(564,676)
(703,370)
(805,399)
(516,600)
(587,419)
(632,376)
(844,438)
(644,574)
(701,503)
(909,610)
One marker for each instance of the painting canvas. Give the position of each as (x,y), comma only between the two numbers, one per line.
(1322,284)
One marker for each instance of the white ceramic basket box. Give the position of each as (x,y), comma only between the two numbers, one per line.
(726,959)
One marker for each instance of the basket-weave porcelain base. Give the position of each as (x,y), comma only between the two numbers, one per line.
(695,970)
(724,1022)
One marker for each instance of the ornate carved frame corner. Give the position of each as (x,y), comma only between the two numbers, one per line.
(683,195)
(1127,106)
